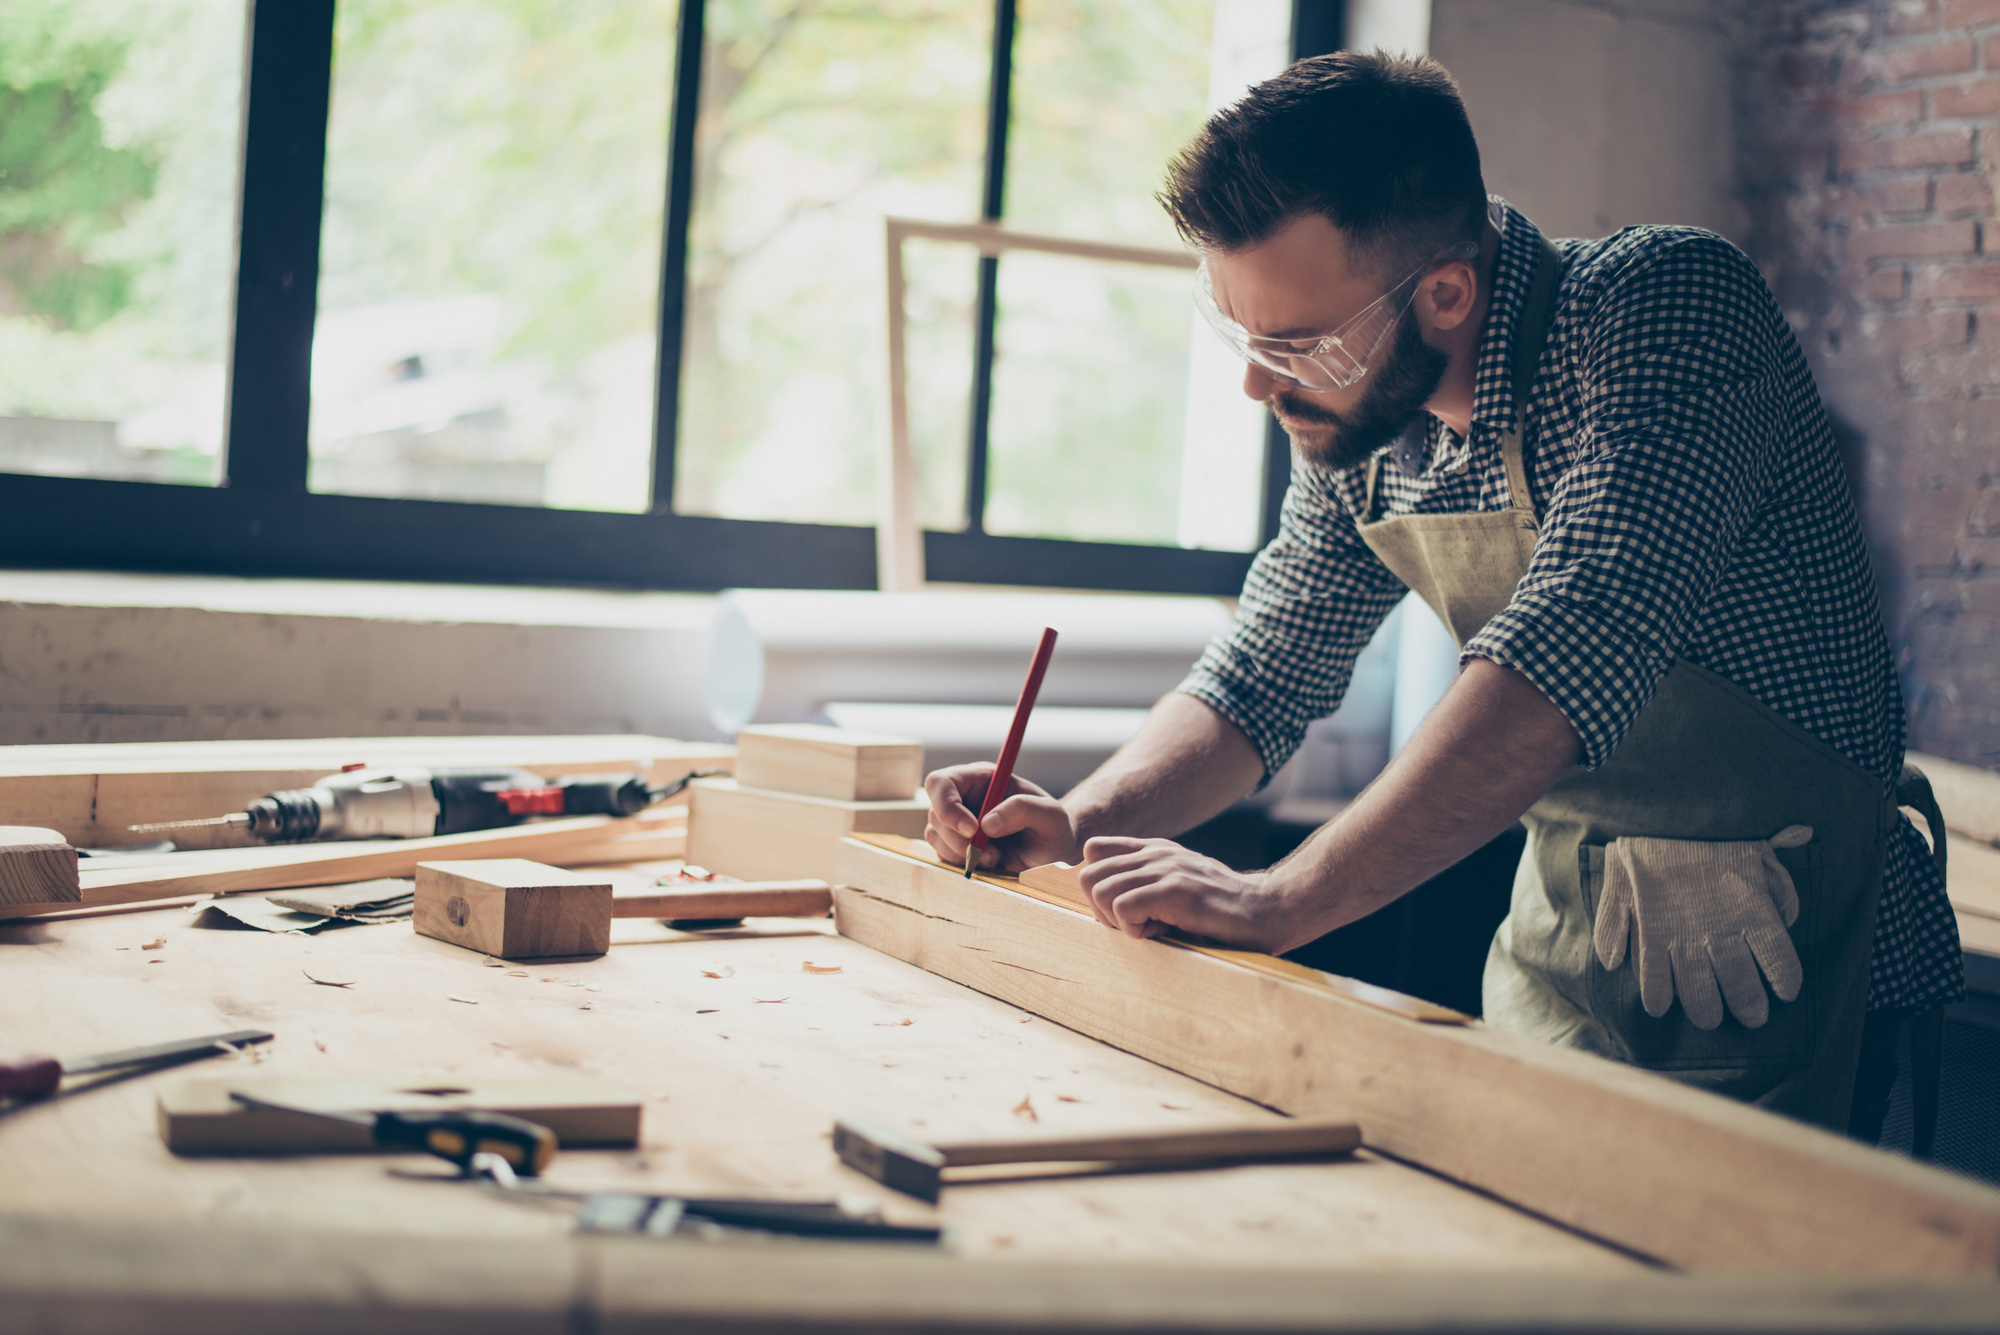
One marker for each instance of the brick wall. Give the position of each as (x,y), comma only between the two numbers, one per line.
(1868,139)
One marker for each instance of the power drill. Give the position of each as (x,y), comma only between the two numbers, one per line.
(411,801)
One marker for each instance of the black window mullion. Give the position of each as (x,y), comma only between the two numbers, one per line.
(287,83)
(674,247)
(986,314)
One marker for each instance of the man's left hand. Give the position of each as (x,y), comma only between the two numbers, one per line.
(1144,886)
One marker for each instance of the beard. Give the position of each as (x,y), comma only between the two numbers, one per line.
(1395,393)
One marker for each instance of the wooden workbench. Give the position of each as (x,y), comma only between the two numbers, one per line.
(743,1075)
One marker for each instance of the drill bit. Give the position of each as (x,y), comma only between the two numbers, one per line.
(233,818)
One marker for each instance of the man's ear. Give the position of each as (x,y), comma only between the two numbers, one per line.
(1446,295)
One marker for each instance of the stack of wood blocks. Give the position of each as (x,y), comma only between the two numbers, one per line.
(799,790)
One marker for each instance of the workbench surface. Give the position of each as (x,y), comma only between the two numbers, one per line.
(742,1075)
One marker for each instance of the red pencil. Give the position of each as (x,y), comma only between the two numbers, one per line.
(996,788)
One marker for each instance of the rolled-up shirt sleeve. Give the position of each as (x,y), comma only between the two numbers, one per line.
(1313,599)
(1683,389)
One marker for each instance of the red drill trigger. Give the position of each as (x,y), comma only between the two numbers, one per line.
(532,801)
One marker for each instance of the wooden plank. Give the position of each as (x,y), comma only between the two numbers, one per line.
(1616,1152)
(577,840)
(37,866)
(804,898)
(819,761)
(199,1116)
(1968,796)
(90,794)
(512,908)
(762,835)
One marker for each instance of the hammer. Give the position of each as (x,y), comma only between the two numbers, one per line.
(514,909)
(917,1167)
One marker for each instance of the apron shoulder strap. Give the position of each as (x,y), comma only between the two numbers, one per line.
(1531,334)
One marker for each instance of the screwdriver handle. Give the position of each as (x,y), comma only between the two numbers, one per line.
(30,1078)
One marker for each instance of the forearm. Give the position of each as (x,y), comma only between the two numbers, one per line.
(1185,764)
(1492,747)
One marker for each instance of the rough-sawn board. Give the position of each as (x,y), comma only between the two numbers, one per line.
(1690,1178)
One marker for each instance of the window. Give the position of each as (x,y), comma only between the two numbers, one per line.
(592,290)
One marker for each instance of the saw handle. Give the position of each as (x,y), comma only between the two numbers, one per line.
(30,1078)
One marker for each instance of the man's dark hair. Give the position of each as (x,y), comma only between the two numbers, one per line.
(1378,143)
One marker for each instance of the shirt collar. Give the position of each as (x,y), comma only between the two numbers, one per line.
(1513,274)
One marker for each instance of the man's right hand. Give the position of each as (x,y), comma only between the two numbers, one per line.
(1029,828)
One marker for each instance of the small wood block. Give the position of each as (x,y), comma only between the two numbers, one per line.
(513,909)
(199,1116)
(761,835)
(37,866)
(829,762)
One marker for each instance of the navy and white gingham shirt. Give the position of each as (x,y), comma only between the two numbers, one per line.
(1692,506)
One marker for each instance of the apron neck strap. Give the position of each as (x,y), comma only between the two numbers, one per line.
(1531,334)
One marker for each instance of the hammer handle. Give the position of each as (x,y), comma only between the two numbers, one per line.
(1222,1142)
(730,899)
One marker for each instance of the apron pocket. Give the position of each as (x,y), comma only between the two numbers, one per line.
(1673,1043)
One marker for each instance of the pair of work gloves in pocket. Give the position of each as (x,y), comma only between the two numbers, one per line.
(1707,920)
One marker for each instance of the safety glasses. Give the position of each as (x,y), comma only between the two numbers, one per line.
(1330,361)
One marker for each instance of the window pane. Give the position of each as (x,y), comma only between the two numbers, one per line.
(118,166)
(1115,416)
(815,123)
(489,280)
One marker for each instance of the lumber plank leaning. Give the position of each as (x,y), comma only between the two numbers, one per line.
(1687,1177)
(573,841)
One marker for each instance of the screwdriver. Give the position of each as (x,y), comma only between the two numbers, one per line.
(38,1077)
(455,1135)
(412,802)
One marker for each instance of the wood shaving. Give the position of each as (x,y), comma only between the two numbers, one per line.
(1068,1098)
(156,944)
(591,987)
(770,1001)
(495,964)
(810,967)
(156,961)
(893,1024)
(727,971)
(517,973)
(1177,1107)
(321,1046)
(328,982)
(467,1000)
(708,1010)
(1026,1108)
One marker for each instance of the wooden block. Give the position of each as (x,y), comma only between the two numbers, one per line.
(829,762)
(804,898)
(513,909)
(198,1116)
(37,866)
(760,835)
(1612,1151)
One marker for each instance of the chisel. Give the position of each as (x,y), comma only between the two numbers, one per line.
(38,1077)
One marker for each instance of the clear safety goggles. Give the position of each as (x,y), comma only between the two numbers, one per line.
(1330,361)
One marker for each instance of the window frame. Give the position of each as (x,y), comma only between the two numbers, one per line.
(262,520)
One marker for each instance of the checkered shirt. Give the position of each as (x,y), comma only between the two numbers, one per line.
(1692,506)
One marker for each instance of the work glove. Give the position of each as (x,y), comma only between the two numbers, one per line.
(1707,916)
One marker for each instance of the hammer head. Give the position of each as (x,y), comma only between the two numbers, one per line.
(889,1156)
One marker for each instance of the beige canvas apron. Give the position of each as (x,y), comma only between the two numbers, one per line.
(1704,761)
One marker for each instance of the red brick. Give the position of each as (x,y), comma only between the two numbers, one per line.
(1952,374)
(1992,60)
(1974,97)
(1884,111)
(1921,331)
(1908,16)
(1919,60)
(1913,239)
(1909,195)
(1936,148)
(1969,13)
(1956,282)
(1965,192)
(1885,285)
